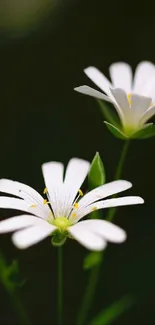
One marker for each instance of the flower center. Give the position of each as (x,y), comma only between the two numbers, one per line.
(62,223)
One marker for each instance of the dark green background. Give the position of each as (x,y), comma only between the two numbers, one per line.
(43,119)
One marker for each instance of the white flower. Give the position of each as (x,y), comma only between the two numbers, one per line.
(133,98)
(60,215)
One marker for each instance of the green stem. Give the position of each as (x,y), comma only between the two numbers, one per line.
(60,301)
(89,295)
(112,211)
(94,274)
(19,308)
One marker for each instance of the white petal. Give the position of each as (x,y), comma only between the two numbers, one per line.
(144,71)
(31,196)
(18,222)
(147,115)
(139,104)
(121,201)
(105,229)
(99,79)
(32,235)
(76,173)
(87,238)
(124,109)
(104,191)
(149,90)
(92,92)
(53,176)
(19,204)
(121,76)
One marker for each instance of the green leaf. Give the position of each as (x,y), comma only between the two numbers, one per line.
(9,274)
(108,113)
(96,176)
(146,132)
(92,259)
(116,131)
(107,316)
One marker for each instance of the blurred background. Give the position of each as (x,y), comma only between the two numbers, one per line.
(44,47)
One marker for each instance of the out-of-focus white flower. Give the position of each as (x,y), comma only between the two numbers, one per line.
(60,215)
(133,98)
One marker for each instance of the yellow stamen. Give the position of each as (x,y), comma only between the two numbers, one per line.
(94,208)
(129,99)
(74,215)
(45,201)
(33,206)
(76,205)
(45,190)
(80,192)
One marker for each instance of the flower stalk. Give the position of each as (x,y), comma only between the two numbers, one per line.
(94,274)
(60,285)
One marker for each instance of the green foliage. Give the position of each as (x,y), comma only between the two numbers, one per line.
(96,176)
(146,132)
(116,131)
(9,274)
(111,313)
(92,259)
(58,239)
(108,113)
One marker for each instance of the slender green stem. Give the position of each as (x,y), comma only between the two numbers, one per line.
(60,300)
(122,160)
(89,295)
(94,274)
(112,211)
(19,308)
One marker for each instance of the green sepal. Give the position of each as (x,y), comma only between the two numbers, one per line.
(116,131)
(92,259)
(146,132)
(112,312)
(108,113)
(58,239)
(96,176)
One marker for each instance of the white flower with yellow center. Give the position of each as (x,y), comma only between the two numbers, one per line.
(133,98)
(60,215)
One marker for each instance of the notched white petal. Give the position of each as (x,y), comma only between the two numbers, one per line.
(99,79)
(121,75)
(103,204)
(30,236)
(86,90)
(107,230)
(144,71)
(147,115)
(76,172)
(87,238)
(104,191)
(18,222)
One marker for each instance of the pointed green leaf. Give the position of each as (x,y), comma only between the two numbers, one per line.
(96,176)
(108,113)
(92,259)
(111,313)
(116,131)
(146,132)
